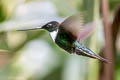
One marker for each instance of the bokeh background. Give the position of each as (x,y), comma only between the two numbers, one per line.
(32,55)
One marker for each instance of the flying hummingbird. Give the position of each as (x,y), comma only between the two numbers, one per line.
(69,34)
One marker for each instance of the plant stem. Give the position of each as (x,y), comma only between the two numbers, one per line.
(107,72)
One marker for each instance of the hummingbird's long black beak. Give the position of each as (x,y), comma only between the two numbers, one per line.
(35,28)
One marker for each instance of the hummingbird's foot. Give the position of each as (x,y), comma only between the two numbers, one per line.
(82,50)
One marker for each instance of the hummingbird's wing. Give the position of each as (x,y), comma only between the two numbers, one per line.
(75,25)
(86,31)
(82,50)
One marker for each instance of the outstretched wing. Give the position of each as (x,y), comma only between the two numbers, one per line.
(76,26)
(82,50)
(73,24)
(86,31)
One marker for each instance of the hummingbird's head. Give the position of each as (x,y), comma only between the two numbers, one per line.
(51,26)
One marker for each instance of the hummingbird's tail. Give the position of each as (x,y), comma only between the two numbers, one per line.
(100,58)
(82,50)
(93,55)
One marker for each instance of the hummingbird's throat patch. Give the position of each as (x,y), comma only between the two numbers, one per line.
(54,34)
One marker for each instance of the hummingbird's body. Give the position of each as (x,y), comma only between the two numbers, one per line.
(68,36)
(65,40)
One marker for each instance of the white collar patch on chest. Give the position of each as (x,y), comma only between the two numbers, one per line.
(54,34)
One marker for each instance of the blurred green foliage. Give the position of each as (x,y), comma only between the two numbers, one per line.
(113,4)
(64,8)
(6,9)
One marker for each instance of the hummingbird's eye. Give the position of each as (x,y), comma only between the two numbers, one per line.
(49,25)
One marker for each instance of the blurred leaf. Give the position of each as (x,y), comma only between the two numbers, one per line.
(113,4)
(31,35)
(3,41)
(6,9)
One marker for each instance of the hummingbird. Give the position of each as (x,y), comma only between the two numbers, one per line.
(68,35)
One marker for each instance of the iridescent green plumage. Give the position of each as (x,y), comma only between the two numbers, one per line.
(64,40)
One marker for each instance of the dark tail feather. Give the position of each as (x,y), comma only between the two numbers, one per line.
(87,52)
(94,56)
(101,59)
